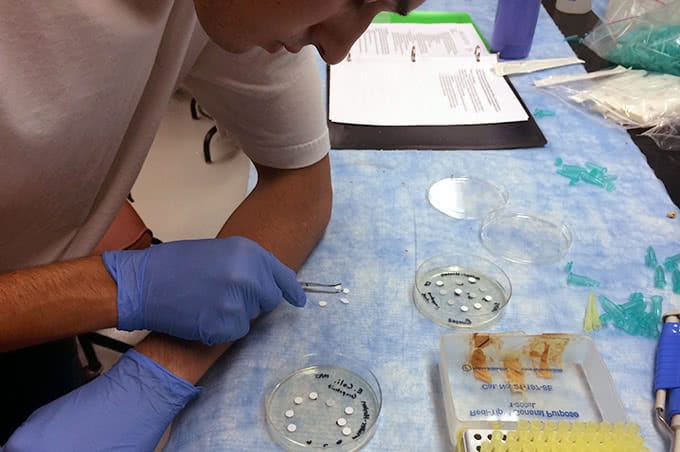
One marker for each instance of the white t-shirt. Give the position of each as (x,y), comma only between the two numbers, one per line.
(83,87)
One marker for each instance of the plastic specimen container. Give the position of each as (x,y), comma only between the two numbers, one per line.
(492,381)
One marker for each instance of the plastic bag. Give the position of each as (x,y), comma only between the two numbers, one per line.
(632,99)
(650,41)
(666,135)
(618,10)
(528,66)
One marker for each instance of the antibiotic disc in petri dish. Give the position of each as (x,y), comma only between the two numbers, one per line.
(320,421)
(466,308)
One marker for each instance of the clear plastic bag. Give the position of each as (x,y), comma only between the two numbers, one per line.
(666,135)
(649,41)
(632,99)
(618,10)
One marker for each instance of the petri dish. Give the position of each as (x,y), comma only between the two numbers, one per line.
(329,403)
(525,239)
(466,198)
(461,291)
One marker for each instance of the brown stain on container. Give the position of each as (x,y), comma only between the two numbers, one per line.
(544,370)
(479,361)
(545,352)
(481,340)
(514,373)
(480,368)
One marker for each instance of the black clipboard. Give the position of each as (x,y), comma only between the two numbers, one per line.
(509,135)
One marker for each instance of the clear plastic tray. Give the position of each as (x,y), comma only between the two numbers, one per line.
(523,238)
(466,197)
(461,290)
(329,403)
(495,380)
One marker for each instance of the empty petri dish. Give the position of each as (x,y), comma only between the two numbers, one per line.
(466,198)
(524,239)
(466,310)
(341,385)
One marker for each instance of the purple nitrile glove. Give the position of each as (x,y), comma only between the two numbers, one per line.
(207,290)
(125,409)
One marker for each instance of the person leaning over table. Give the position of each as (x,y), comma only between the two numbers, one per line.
(83,88)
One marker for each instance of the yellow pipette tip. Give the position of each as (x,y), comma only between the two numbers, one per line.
(588,318)
(594,312)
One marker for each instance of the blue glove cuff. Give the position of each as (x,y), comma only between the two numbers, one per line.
(170,387)
(127,408)
(129,277)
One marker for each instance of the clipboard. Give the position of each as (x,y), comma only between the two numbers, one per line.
(507,135)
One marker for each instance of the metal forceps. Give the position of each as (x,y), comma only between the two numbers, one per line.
(667,378)
(321,287)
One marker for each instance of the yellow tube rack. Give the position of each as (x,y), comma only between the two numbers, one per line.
(537,436)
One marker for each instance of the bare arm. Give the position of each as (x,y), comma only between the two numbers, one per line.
(287,214)
(55,301)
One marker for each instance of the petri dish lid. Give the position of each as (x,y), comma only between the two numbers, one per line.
(466,198)
(524,239)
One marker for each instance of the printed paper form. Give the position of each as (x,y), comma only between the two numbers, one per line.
(430,40)
(392,92)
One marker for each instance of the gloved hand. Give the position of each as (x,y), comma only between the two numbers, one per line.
(207,290)
(127,408)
